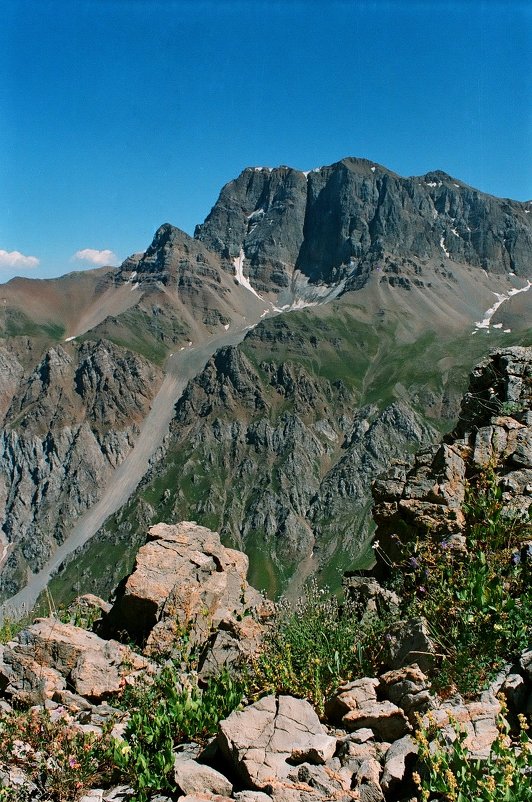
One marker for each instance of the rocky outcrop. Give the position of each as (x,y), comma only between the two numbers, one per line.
(494,431)
(50,657)
(70,423)
(185,584)
(274,750)
(272,452)
(339,222)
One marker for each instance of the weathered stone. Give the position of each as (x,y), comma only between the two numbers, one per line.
(251,796)
(368,597)
(49,653)
(384,718)
(408,688)
(398,755)
(515,690)
(193,777)
(367,783)
(320,751)
(185,580)
(350,696)
(259,740)
(409,642)
(478,719)
(526,663)
(522,454)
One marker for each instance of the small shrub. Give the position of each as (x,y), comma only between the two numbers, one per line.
(313,647)
(169,711)
(59,759)
(449,774)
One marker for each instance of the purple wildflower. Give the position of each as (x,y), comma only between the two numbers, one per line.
(515,559)
(414,562)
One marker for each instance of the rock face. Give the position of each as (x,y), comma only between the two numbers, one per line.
(185,583)
(271,454)
(262,738)
(70,422)
(494,428)
(336,223)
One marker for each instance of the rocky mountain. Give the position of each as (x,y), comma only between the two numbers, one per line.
(67,424)
(366,298)
(339,223)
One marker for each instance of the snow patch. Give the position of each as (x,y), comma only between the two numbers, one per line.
(507,331)
(497,326)
(455,232)
(69,339)
(256,215)
(456,185)
(444,249)
(433,183)
(373,169)
(239,273)
(135,286)
(266,311)
(511,274)
(501,298)
(226,326)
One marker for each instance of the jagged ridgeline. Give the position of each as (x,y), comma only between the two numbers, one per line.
(367,298)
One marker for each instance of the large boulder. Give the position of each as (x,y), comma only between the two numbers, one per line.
(186,583)
(261,739)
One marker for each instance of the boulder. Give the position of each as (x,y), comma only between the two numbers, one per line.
(409,642)
(49,655)
(400,753)
(409,689)
(192,777)
(185,581)
(477,719)
(261,739)
(356,706)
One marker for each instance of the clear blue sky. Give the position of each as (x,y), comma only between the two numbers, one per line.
(119,115)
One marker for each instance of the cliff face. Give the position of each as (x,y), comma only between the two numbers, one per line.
(494,432)
(70,422)
(339,222)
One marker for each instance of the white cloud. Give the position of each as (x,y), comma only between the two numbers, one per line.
(17,259)
(96,257)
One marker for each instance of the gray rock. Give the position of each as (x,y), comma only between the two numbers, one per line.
(194,778)
(398,755)
(259,740)
(409,642)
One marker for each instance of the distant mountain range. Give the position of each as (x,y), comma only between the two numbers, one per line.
(364,299)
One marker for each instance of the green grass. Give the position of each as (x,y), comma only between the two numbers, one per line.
(17,324)
(151,336)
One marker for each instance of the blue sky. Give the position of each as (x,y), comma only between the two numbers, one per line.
(119,115)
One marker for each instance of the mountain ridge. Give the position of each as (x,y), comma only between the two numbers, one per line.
(348,274)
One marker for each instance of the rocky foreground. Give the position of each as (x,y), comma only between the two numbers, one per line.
(188,592)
